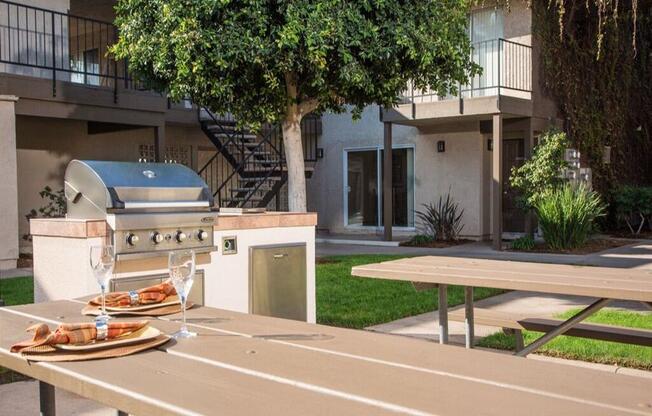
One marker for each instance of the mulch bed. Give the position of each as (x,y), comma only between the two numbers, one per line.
(436,244)
(626,234)
(592,246)
(25,261)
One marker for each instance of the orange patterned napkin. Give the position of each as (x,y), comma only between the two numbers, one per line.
(82,333)
(146,296)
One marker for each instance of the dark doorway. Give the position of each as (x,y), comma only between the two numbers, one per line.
(513,215)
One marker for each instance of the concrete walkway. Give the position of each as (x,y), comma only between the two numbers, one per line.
(20,272)
(22,399)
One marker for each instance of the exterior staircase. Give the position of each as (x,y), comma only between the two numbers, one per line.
(248,169)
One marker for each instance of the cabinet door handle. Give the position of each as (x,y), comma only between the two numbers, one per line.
(280,256)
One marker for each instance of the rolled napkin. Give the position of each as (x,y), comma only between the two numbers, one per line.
(146,296)
(81,333)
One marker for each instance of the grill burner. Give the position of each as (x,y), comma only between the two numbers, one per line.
(151,208)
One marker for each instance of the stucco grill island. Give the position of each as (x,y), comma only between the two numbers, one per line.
(254,263)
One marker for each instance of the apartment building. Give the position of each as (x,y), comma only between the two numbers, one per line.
(466,143)
(63,97)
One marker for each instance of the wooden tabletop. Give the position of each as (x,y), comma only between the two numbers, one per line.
(246,364)
(600,282)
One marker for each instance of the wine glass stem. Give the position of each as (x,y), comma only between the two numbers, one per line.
(103,300)
(184,328)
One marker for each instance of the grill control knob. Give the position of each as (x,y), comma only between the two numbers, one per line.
(157,237)
(181,236)
(132,239)
(202,235)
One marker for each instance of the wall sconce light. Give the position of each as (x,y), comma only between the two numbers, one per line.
(441,146)
(490,145)
(320,153)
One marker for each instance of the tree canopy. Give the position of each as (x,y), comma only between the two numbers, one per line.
(277,61)
(252,58)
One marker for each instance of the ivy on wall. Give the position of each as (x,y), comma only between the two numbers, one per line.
(597,64)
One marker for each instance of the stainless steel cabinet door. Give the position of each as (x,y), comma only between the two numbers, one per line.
(277,281)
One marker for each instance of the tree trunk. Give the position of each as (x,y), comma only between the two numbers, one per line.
(295,163)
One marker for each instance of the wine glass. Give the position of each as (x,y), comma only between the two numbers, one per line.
(102,260)
(181,264)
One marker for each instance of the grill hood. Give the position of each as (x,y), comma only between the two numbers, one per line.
(94,189)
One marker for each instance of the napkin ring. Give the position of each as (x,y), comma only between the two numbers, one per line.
(102,329)
(133,298)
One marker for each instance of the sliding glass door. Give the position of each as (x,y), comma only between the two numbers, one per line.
(362,177)
(364,185)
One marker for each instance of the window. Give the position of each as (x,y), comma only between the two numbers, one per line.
(363,181)
(485,28)
(85,66)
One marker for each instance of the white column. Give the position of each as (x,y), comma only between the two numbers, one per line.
(8,183)
(497,183)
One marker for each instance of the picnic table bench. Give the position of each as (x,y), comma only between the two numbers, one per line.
(605,284)
(247,364)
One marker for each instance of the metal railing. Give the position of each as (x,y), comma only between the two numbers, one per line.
(248,170)
(58,46)
(506,70)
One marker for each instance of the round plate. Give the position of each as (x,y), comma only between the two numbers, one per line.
(144,334)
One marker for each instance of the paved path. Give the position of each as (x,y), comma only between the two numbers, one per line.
(9,273)
(21,399)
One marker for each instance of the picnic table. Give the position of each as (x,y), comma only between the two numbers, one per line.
(605,284)
(244,364)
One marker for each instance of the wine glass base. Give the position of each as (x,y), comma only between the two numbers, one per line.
(103,317)
(184,334)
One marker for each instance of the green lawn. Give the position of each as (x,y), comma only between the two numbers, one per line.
(17,290)
(589,350)
(352,302)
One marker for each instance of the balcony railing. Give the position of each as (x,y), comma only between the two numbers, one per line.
(506,70)
(48,44)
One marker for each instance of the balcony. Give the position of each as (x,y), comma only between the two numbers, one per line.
(58,65)
(504,86)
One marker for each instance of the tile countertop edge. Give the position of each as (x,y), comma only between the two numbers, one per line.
(79,228)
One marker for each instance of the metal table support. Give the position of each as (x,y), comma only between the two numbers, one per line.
(564,326)
(468,316)
(443,313)
(46,399)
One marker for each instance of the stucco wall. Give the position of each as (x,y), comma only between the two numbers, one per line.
(46,145)
(460,167)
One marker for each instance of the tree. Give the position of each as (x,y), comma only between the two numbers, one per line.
(543,172)
(277,61)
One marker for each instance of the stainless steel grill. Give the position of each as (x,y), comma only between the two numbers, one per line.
(151,208)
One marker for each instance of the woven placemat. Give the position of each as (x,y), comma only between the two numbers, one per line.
(91,310)
(51,354)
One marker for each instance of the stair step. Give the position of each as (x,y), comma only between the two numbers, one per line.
(259,179)
(245,189)
(242,199)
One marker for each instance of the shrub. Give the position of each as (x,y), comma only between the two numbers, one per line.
(443,220)
(542,172)
(524,243)
(634,206)
(55,207)
(420,240)
(567,215)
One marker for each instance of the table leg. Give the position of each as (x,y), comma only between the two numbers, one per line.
(564,326)
(443,314)
(46,399)
(468,316)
